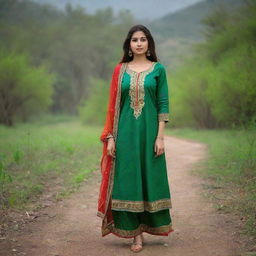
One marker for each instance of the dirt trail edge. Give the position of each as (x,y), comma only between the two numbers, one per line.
(71,227)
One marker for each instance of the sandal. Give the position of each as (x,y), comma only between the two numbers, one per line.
(137,246)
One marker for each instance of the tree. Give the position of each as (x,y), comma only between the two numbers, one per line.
(24,90)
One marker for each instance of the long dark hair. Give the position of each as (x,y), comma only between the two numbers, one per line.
(151,44)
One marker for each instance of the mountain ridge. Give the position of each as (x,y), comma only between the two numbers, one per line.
(140,9)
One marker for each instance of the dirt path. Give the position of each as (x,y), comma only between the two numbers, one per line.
(71,227)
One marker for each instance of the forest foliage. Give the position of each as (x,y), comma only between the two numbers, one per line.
(25,89)
(75,53)
(217,86)
(72,45)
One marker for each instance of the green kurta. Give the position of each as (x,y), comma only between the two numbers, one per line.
(141,196)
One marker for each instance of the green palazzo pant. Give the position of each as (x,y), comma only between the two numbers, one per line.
(129,224)
(141,197)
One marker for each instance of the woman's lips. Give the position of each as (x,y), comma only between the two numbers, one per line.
(138,49)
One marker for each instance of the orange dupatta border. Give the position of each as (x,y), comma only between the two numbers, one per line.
(107,163)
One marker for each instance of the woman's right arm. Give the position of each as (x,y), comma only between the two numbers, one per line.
(111,147)
(108,127)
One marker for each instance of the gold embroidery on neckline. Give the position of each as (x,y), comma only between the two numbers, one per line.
(136,90)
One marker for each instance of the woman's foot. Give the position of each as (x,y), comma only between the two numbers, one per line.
(137,243)
(142,237)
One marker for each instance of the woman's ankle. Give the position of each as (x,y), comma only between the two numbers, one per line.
(138,238)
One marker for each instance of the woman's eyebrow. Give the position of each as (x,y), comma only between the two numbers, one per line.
(137,37)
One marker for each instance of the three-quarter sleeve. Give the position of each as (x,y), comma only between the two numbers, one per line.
(162,96)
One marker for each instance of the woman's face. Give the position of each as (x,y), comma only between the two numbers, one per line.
(139,43)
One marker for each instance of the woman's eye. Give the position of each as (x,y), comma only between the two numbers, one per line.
(142,40)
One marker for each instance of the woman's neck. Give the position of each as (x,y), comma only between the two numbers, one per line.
(139,58)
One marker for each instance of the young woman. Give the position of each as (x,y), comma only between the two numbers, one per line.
(134,194)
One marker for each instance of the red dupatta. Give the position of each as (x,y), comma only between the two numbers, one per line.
(108,162)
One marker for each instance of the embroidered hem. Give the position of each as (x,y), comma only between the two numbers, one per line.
(163,117)
(159,231)
(141,206)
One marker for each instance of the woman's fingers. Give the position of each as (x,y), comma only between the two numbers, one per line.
(158,150)
(113,152)
(111,148)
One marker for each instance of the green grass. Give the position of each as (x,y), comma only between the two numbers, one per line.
(231,168)
(36,155)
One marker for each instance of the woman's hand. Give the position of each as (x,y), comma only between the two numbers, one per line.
(159,146)
(111,149)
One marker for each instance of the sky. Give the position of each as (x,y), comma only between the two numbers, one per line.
(141,9)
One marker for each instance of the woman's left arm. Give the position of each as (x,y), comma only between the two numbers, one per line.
(162,110)
(159,142)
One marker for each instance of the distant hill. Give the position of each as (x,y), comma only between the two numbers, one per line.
(175,33)
(186,23)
